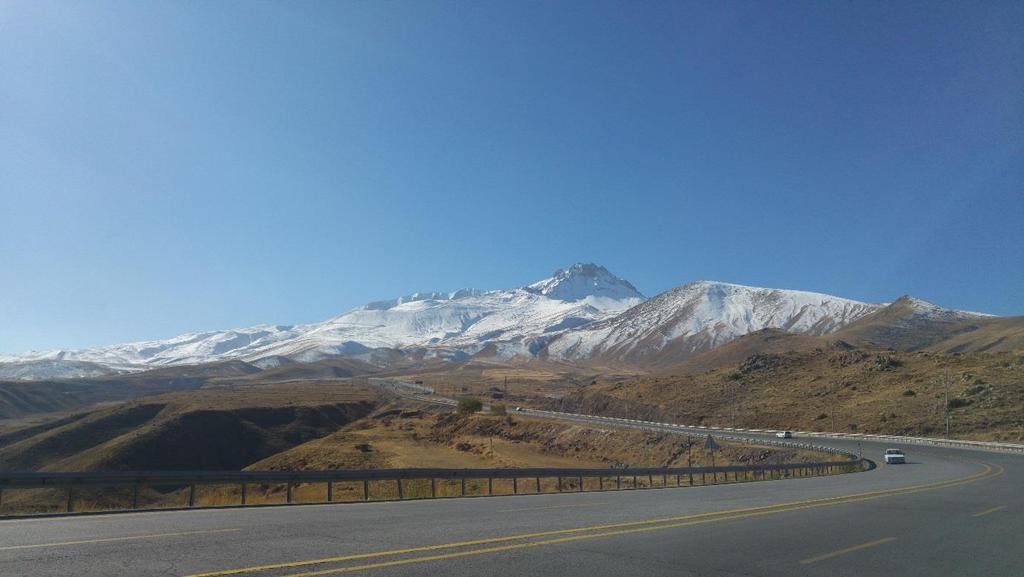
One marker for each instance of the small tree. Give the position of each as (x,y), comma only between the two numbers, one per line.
(469,406)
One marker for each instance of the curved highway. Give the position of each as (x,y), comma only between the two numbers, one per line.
(948,512)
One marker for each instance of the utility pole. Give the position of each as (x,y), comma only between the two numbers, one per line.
(945,382)
(832,399)
(734,407)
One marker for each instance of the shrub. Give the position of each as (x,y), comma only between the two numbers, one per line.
(910,393)
(886,363)
(958,403)
(469,405)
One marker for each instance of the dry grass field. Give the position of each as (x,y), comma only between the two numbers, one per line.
(866,390)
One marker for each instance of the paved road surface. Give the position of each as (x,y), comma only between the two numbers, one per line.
(947,512)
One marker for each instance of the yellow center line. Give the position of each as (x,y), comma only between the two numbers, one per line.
(111,539)
(987,511)
(552,507)
(839,552)
(688,520)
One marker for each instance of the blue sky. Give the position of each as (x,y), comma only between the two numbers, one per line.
(168,167)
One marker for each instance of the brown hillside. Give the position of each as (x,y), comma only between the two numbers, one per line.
(424,438)
(988,335)
(734,352)
(23,398)
(204,430)
(871,390)
(903,327)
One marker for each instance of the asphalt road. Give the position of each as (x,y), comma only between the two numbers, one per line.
(947,512)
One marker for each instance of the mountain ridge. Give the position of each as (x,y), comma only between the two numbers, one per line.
(583,312)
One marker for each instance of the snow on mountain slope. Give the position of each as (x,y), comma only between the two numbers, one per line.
(581,281)
(52,369)
(190,348)
(702,315)
(581,312)
(469,319)
(463,320)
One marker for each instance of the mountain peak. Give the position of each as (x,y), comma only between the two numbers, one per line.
(583,280)
(919,307)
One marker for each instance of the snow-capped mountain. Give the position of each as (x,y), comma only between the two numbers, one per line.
(579,313)
(187,349)
(703,315)
(465,320)
(583,281)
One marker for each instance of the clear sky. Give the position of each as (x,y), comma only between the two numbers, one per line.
(176,166)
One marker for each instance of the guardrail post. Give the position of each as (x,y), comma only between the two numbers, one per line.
(703,478)
(559,484)
(463,486)
(366,490)
(691,478)
(71,496)
(135,495)
(433,487)
(192,495)
(245,492)
(650,481)
(490,485)
(618,483)
(581,483)
(400,495)
(515,485)
(600,483)
(289,491)
(677,480)
(538,484)
(330,491)
(634,481)
(664,480)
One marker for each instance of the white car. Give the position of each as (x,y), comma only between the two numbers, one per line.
(784,435)
(894,457)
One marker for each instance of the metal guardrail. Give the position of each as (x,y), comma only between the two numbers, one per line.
(723,432)
(416,393)
(189,480)
(728,434)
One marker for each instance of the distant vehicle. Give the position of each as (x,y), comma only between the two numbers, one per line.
(784,435)
(894,457)
(519,408)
